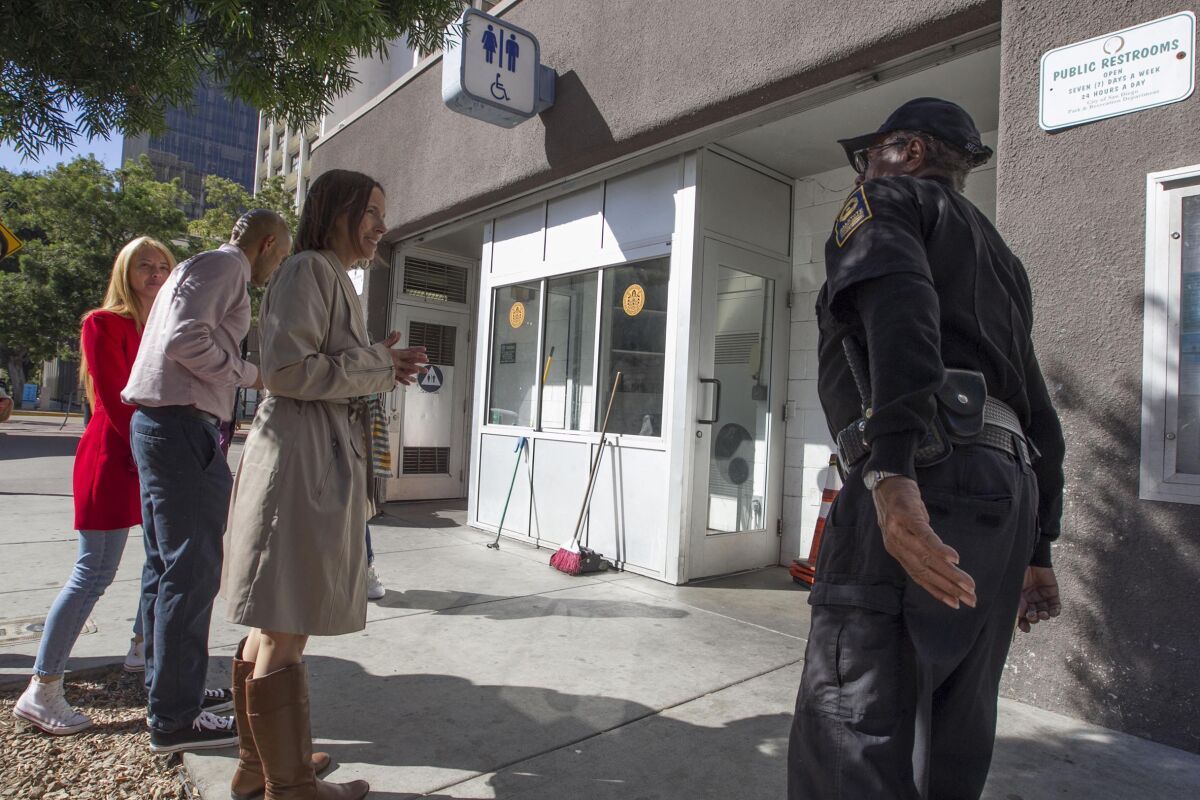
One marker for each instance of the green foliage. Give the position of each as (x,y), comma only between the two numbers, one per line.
(123,63)
(74,219)
(275,196)
(226,200)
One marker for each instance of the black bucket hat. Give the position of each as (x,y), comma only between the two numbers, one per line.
(939,118)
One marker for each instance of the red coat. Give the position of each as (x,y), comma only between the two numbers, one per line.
(105,480)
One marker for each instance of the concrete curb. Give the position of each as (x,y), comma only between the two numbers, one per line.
(32,413)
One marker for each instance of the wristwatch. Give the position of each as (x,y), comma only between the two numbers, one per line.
(872,477)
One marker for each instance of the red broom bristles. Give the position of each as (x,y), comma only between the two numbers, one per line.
(566,561)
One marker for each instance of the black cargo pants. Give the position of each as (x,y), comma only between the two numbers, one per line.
(898,695)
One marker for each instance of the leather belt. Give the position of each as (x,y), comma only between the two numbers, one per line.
(190,411)
(204,416)
(1001,431)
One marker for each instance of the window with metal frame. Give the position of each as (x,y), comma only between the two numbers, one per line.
(515,373)
(596,324)
(569,353)
(1170,466)
(633,336)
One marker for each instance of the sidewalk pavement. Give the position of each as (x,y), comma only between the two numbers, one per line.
(487,674)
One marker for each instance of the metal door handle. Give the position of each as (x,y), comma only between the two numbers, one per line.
(716,401)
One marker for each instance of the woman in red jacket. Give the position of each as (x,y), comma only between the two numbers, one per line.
(107,497)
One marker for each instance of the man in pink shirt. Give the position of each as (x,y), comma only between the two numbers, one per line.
(184,379)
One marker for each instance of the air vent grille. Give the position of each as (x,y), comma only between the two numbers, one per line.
(426,461)
(433,281)
(438,341)
(735,348)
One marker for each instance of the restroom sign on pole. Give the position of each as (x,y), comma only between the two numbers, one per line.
(493,71)
(1148,65)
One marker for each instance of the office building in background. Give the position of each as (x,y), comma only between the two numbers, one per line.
(215,136)
(283,150)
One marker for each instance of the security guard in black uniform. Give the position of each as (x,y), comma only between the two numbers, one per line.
(940,538)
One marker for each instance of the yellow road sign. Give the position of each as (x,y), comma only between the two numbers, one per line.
(9,243)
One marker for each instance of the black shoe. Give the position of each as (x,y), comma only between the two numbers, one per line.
(207,732)
(217,700)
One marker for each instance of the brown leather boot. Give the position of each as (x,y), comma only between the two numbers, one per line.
(277,708)
(248,780)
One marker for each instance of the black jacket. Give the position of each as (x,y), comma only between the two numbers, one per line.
(921,276)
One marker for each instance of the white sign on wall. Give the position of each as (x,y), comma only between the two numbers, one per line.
(492,71)
(1118,73)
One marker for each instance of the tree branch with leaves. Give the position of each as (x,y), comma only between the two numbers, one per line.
(122,64)
(74,219)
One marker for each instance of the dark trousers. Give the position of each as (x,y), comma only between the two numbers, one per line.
(186,485)
(898,695)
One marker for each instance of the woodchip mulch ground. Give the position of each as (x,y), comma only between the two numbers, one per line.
(109,761)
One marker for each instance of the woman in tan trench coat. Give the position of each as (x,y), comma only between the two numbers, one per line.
(295,557)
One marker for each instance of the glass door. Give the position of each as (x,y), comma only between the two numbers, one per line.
(739,431)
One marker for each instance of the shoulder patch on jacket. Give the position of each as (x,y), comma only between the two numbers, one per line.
(854,213)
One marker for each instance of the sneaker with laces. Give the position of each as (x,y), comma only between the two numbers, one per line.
(216,700)
(207,732)
(43,705)
(375,587)
(135,659)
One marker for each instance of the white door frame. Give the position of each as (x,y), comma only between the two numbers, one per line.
(712,552)
(462,315)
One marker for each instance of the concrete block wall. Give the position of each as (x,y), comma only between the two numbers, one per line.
(816,201)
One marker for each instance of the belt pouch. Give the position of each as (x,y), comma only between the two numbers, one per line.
(960,402)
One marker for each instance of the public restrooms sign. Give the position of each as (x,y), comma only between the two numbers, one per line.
(1148,65)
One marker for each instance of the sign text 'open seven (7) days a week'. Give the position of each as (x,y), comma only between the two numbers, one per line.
(1118,73)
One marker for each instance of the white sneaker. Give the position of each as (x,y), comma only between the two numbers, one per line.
(135,659)
(43,705)
(375,588)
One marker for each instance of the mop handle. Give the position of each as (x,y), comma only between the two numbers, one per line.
(595,463)
(546,371)
(512,483)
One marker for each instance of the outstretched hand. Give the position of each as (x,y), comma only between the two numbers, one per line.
(408,362)
(1039,598)
(907,536)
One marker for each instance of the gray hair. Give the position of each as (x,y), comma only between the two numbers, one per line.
(954,162)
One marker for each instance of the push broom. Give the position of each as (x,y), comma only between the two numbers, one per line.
(520,446)
(568,559)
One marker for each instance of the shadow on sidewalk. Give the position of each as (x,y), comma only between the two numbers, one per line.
(13,448)
(447,722)
(489,606)
(420,515)
(1081,764)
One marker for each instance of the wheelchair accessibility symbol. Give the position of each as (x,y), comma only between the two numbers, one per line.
(498,90)
(432,380)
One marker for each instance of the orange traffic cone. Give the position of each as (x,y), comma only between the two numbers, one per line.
(805,571)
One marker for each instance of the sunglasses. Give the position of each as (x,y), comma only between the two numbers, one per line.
(861,157)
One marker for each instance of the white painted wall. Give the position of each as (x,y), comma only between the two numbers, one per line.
(817,200)
(374,75)
(627,218)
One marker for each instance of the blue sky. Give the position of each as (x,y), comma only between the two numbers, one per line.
(109,152)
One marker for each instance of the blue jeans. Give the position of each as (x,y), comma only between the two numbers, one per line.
(185,498)
(99,556)
(370,552)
